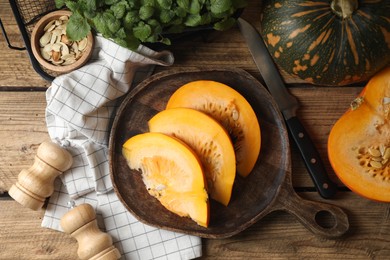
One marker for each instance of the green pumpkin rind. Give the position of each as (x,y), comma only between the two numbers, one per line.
(309,41)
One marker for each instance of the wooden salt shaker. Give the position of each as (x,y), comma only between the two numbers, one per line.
(35,184)
(80,223)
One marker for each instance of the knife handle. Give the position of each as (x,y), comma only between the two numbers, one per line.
(325,187)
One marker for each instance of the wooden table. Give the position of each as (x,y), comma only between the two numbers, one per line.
(278,235)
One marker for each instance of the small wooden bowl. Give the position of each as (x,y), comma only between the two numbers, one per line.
(38,32)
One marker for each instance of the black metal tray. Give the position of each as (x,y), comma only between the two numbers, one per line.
(27,13)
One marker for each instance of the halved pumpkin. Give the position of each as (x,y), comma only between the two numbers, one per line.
(231,110)
(172,173)
(359,142)
(209,140)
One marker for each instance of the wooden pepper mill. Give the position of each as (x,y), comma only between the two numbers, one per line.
(80,223)
(35,184)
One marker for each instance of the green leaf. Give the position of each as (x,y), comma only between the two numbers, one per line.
(165,41)
(195,7)
(101,26)
(180,12)
(132,42)
(113,24)
(90,5)
(89,8)
(185,4)
(156,26)
(73,6)
(119,9)
(193,20)
(145,12)
(148,3)
(166,16)
(142,31)
(165,4)
(77,27)
(110,2)
(224,24)
(206,19)
(177,21)
(220,6)
(59,3)
(121,33)
(130,19)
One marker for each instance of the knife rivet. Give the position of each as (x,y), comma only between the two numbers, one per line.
(325,186)
(301,135)
(313,160)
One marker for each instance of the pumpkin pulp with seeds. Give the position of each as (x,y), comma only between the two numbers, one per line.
(359,142)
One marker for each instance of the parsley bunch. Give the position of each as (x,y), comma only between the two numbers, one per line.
(131,22)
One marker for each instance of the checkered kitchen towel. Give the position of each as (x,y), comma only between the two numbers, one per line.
(80,108)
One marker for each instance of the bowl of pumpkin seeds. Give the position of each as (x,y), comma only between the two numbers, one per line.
(52,47)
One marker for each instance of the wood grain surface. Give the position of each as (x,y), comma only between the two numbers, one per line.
(276,236)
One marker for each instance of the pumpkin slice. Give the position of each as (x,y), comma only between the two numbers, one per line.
(359,142)
(231,110)
(210,142)
(172,173)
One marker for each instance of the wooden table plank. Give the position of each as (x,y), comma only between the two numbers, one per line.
(22,130)
(16,69)
(276,236)
(22,236)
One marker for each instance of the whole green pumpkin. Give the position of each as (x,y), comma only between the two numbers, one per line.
(328,42)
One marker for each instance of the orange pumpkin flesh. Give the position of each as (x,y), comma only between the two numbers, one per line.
(231,110)
(172,173)
(359,142)
(209,140)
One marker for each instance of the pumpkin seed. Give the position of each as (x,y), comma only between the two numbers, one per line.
(376,164)
(48,26)
(377,159)
(48,48)
(64,18)
(386,154)
(45,39)
(235,115)
(68,60)
(51,28)
(64,49)
(45,54)
(53,39)
(82,44)
(56,47)
(374,152)
(56,55)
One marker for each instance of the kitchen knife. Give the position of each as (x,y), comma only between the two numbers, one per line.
(288,106)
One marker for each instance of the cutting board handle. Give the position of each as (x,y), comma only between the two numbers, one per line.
(315,216)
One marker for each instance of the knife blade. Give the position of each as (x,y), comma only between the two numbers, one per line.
(288,106)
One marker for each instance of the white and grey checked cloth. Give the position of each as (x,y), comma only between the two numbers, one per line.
(80,108)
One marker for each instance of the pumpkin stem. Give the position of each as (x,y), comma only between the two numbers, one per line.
(344,8)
